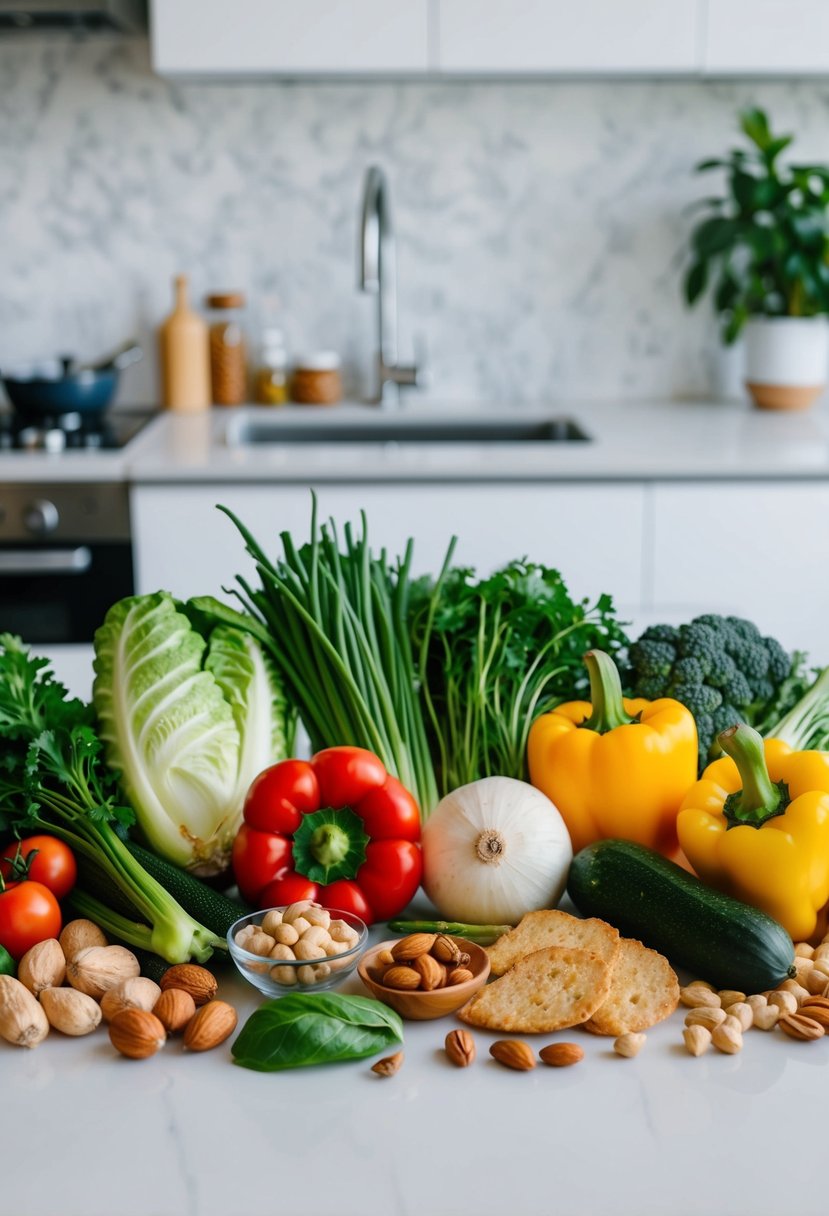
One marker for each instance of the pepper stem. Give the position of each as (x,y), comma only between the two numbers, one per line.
(329,844)
(760,798)
(605,694)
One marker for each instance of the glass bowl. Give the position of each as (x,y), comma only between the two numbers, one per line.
(276,976)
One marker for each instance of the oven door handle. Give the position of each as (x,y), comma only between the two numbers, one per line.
(45,561)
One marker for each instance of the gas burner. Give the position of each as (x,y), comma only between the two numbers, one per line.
(57,433)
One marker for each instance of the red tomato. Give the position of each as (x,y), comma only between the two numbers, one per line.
(346,896)
(54,865)
(288,889)
(29,913)
(346,774)
(390,812)
(280,796)
(389,876)
(258,858)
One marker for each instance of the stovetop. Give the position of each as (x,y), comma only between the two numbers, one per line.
(71,432)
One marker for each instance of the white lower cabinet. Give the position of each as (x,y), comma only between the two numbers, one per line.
(755,549)
(591,533)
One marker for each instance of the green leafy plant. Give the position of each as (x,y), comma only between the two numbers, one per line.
(303,1029)
(763,248)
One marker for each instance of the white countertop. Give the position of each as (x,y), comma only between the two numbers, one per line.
(87,1133)
(630,441)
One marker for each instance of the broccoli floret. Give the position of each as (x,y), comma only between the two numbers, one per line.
(652,658)
(705,738)
(699,698)
(720,667)
(780,663)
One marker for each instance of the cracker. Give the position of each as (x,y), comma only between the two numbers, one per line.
(537,930)
(548,990)
(643,991)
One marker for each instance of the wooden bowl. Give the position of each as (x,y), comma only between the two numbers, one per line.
(421,1006)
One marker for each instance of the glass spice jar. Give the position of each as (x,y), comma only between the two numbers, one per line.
(317,379)
(228,349)
(271,381)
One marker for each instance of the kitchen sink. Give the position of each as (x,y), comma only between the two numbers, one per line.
(248,431)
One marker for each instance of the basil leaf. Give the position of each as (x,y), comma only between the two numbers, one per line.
(301,1029)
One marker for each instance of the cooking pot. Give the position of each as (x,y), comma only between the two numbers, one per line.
(67,387)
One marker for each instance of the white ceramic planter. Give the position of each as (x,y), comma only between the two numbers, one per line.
(787,361)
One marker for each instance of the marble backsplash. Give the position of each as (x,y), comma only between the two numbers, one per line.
(541,226)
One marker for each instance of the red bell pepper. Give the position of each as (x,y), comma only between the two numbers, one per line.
(337,829)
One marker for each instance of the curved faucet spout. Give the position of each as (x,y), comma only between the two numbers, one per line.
(378,276)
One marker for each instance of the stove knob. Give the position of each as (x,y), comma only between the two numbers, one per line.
(41,517)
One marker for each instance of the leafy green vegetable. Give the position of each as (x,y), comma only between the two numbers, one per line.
(495,653)
(53,779)
(7,963)
(337,626)
(301,1029)
(806,726)
(189,715)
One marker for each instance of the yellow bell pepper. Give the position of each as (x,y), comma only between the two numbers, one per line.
(613,766)
(756,825)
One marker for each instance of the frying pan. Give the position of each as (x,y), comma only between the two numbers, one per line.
(73,388)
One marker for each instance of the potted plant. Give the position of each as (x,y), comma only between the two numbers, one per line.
(763,249)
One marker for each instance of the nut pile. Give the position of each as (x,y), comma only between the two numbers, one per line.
(303,933)
(422,962)
(798,1007)
(105,983)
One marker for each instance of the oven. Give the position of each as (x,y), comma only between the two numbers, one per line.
(65,557)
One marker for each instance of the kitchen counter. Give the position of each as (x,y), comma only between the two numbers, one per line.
(88,1133)
(630,442)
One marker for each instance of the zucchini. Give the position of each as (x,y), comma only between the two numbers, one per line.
(715,937)
(210,908)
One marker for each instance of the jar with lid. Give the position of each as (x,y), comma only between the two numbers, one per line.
(271,380)
(317,379)
(228,349)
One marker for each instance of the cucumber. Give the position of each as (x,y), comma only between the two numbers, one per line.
(715,937)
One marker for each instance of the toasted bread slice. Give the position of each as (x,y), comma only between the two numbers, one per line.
(537,930)
(643,991)
(545,991)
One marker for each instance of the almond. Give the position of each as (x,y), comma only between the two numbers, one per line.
(135,993)
(174,1009)
(460,975)
(388,1066)
(189,977)
(432,973)
(800,1026)
(404,978)
(816,1013)
(210,1026)
(513,1053)
(413,946)
(561,1055)
(445,950)
(44,966)
(136,1033)
(80,935)
(99,968)
(69,1011)
(460,1048)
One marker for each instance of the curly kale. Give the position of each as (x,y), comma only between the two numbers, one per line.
(723,669)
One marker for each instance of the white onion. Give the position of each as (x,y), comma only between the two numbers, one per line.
(494,850)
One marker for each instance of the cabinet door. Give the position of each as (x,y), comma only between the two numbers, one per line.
(766,37)
(518,36)
(592,534)
(756,549)
(289,37)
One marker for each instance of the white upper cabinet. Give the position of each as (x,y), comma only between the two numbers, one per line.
(766,37)
(513,37)
(290,37)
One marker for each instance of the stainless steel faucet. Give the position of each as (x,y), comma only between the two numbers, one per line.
(378,276)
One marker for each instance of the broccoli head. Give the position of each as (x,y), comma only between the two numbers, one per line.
(721,667)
